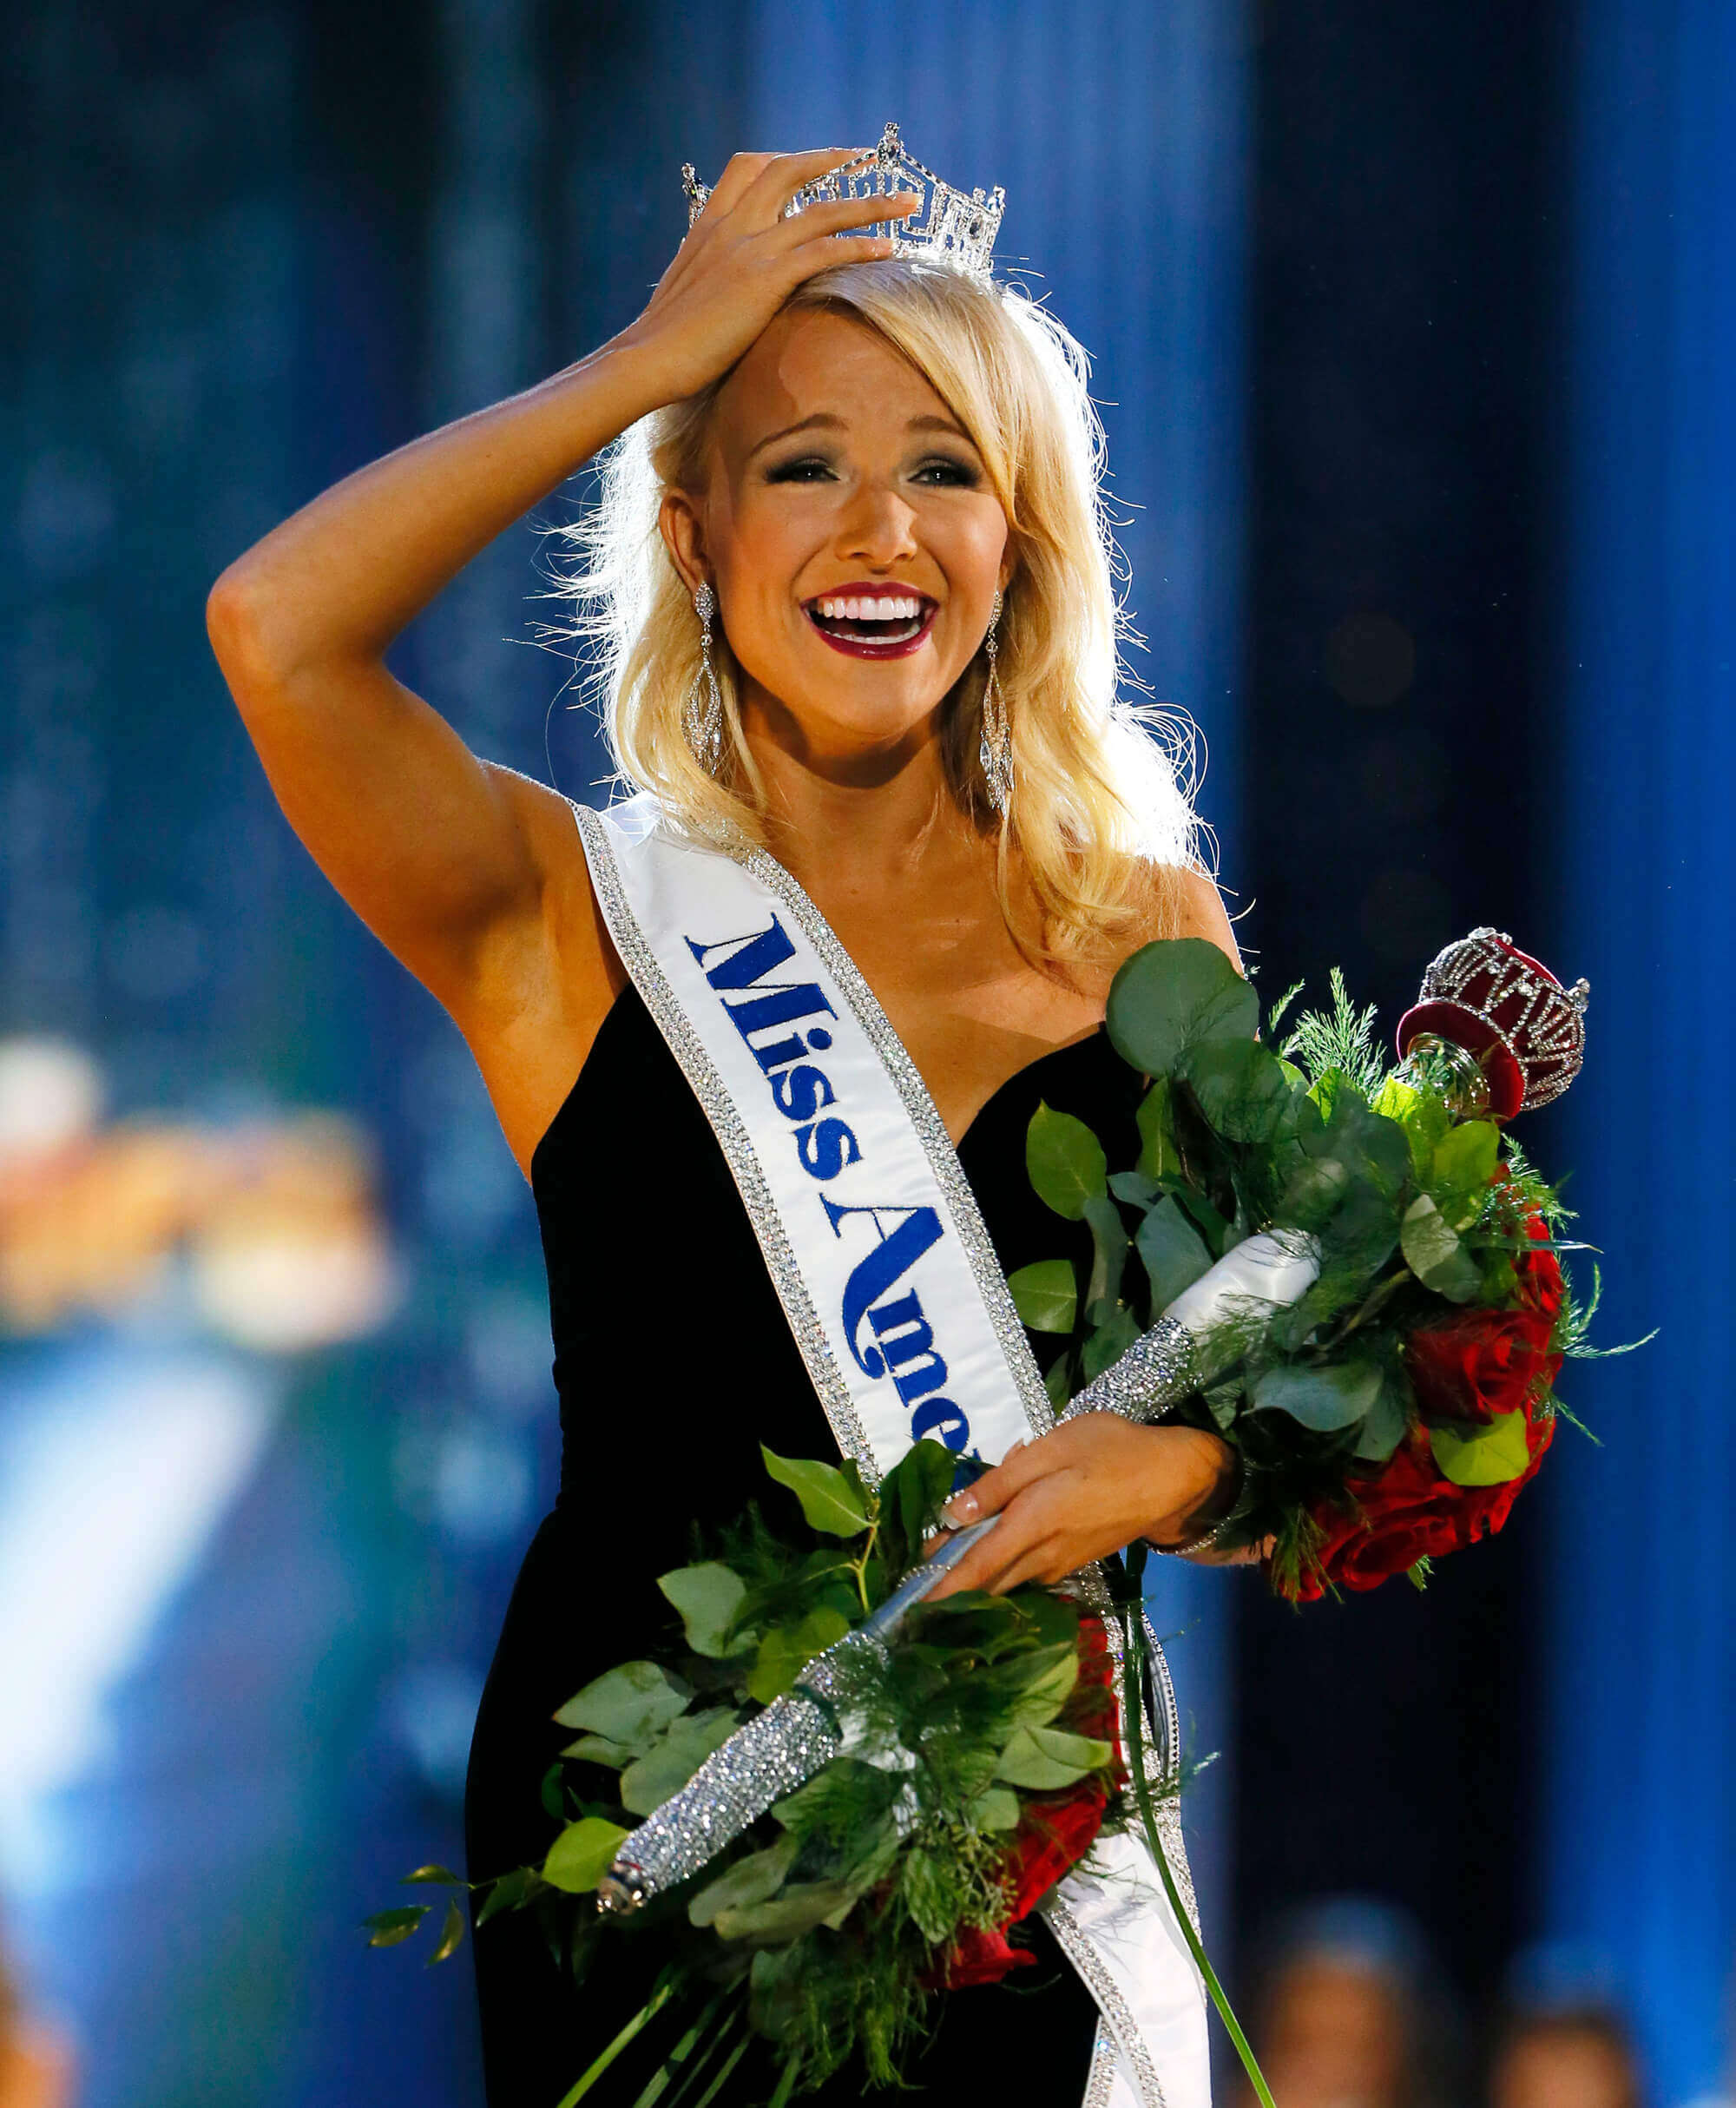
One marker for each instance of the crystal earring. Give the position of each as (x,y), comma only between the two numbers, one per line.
(702,719)
(996,751)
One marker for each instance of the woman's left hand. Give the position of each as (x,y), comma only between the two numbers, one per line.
(1082,1490)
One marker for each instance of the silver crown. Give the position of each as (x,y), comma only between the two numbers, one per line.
(950,228)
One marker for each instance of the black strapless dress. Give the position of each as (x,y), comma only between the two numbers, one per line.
(673,1361)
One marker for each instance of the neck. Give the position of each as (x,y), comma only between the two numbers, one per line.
(843,825)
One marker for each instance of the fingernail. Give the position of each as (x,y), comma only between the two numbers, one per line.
(962,1508)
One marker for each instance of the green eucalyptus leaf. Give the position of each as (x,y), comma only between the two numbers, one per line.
(389,1928)
(443,1875)
(1135,1188)
(1362,1232)
(1065,1161)
(785,1651)
(1109,1254)
(1317,1187)
(1058,1382)
(796,1909)
(631,1704)
(451,1933)
(1042,1760)
(1173,1251)
(1240,1087)
(749,1881)
(1383,1430)
(709,1597)
(670,1763)
(1369,1146)
(1336,1395)
(1422,1114)
(1041,1681)
(1108,1343)
(1159,1156)
(1172,996)
(582,1854)
(829,1502)
(1464,1163)
(1219,1235)
(599,1750)
(1046,1294)
(1491,1456)
(997,1809)
(1434,1254)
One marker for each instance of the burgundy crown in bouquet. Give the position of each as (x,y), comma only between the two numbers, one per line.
(1484,1368)
(1509,1012)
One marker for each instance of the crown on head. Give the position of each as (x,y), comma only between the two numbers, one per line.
(1506,1008)
(950,228)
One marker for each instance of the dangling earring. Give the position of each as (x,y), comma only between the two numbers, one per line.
(996,752)
(702,718)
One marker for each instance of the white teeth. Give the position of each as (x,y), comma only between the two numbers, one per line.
(836,608)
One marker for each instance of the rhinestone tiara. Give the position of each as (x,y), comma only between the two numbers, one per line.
(950,228)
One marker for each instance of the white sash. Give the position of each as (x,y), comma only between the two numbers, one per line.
(888,1277)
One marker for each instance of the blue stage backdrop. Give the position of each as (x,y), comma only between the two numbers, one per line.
(1640,1817)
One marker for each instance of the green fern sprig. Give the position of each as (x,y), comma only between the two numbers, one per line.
(1342,1039)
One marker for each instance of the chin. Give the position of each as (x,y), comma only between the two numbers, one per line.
(840,705)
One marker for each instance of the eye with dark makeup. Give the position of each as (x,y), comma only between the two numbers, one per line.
(937,471)
(805,468)
(950,472)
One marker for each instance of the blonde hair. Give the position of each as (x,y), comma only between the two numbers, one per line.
(1100,818)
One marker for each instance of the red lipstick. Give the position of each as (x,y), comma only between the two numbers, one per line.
(873,618)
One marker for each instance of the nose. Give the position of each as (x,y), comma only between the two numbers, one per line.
(879,528)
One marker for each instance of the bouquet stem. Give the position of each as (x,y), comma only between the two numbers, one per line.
(1132,1630)
(661,1992)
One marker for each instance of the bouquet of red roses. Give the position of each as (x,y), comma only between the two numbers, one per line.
(1392,1409)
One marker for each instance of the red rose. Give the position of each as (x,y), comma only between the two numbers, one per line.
(1488,1362)
(1057,1831)
(982,1958)
(1410,1509)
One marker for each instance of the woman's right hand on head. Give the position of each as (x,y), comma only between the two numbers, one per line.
(742,259)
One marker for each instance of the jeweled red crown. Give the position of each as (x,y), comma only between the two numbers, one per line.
(1525,1029)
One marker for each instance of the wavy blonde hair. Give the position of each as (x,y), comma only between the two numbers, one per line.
(1101,820)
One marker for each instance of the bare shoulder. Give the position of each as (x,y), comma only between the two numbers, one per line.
(1182,900)
(540,992)
(587,974)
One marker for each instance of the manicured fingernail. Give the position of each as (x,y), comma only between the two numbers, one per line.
(962,1508)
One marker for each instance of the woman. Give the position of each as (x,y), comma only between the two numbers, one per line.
(863,463)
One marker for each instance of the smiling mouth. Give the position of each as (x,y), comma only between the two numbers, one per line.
(872,626)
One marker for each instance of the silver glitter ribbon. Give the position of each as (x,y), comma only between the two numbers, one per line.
(1196,1338)
(1155,1374)
(781,1749)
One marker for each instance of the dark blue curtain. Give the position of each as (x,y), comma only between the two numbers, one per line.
(1636,1798)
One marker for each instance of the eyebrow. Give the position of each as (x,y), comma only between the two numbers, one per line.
(823,420)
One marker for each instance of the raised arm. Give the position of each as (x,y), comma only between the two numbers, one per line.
(468,872)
